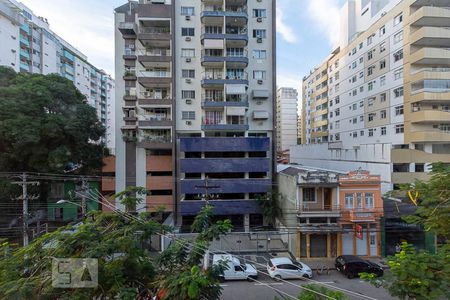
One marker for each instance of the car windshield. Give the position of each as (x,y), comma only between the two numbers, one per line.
(244,267)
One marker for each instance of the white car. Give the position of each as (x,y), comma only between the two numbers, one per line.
(234,268)
(285,268)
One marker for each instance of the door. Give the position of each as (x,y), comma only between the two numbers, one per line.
(347,243)
(327,199)
(238,273)
(361,244)
(373,243)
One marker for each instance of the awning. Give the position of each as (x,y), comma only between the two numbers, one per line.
(260,115)
(236,111)
(319,228)
(213,44)
(260,94)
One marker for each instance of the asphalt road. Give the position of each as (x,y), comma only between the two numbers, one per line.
(243,290)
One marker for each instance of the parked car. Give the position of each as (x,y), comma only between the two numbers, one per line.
(234,268)
(351,266)
(285,268)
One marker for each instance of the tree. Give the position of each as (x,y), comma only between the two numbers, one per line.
(46,123)
(416,275)
(270,207)
(126,269)
(311,292)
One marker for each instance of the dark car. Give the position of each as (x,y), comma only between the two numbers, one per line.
(351,266)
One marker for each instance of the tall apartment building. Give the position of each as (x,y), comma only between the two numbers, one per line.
(28,45)
(299,129)
(286,118)
(195,88)
(384,90)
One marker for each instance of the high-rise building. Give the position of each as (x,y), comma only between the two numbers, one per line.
(299,129)
(195,83)
(382,97)
(286,118)
(28,45)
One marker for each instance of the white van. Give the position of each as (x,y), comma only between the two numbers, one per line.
(235,270)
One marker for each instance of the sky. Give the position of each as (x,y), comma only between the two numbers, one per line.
(306,31)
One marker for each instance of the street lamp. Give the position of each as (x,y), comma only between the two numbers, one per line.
(62,201)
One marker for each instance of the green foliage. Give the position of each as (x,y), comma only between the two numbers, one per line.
(45,123)
(313,293)
(416,275)
(270,207)
(131,196)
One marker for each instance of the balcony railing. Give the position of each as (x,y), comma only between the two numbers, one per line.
(155,139)
(155,52)
(431,70)
(129,52)
(226,76)
(155,30)
(155,96)
(156,74)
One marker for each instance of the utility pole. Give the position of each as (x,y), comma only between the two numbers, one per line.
(206,187)
(24,183)
(84,190)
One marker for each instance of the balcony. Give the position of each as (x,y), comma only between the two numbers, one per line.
(130,95)
(213,144)
(220,102)
(130,54)
(227,186)
(430,116)
(219,78)
(24,54)
(24,41)
(153,203)
(430,73)
(238,34)
(149,98)
(429,97)
(221,125)
(431,16)
(319,211)
(159,163)
(432,136)
(25,27)
(431,36)
(159,183)
(154,33)
(417,156)
(24,66)
(128,28)
(431,56)
(238,60)
(408,177)
(153,121)
(224,165)
(155,142)
(220,207)
(154,55)
(361,215)
(155,77)
(129,75)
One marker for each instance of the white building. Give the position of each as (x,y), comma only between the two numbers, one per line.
(28,45)
(386,83)
(286,118)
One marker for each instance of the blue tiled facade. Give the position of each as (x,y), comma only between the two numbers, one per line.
(236,186)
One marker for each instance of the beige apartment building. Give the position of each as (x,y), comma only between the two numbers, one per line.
(384,90)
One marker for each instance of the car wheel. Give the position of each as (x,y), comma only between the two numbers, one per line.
(278,277)
(307,276)
(251,278)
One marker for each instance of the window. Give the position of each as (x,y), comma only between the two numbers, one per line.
(354,64)
(368,200)
(355,134)
(188,73)
(370,40)
(361,133)
(370,132)
(358,200)
(259,75)
(187,52)
(398,55)
(337,136)
(259,33)
(370,70)
(361,118)
(398,19)
(382,47)
(399,128)
(309,195)
(399,110)
(349,200)
(360,45)
(187,11)
(370,55)
(354,92)
(361,103)
(353,79)
(371,116)
(361,60)
(259,54)
(361,74)
(337,112)
(382,64)
(354,120)
(337,100)
(398,92)
(187,94)
(259,13)
(370,101)
(370,86)
(398,37)
(187,31)
(383,130)
(337,124)
(398,74)
(383,114)
(382,97)
(361,89)
(188,115)
(331,114)
(382,30)
(382,80)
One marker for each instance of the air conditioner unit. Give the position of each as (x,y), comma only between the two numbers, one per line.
(188,123)
(188,39)
(188,101)
(188,80)
(260,81)
(188,18)
(188,59)
(259,40)
(259,20)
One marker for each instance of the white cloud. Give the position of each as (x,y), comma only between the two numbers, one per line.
(286,32)
(326,15)
(289,80)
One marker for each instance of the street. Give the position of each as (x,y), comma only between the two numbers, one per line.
(260,291)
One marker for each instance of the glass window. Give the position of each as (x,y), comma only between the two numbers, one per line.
(187,31)
(399,110)
(259,54)
(398,55)
(259,33)
(187,94)
(399,128)
(187,52)
(398,19)
(398,92)
(309,195)
(188,115)
(187,11)
(383,130)
(358,200)
(383,114)
(259,75)
(259,13)
(368,200)
(398,37)
(349,201)
(188,73)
